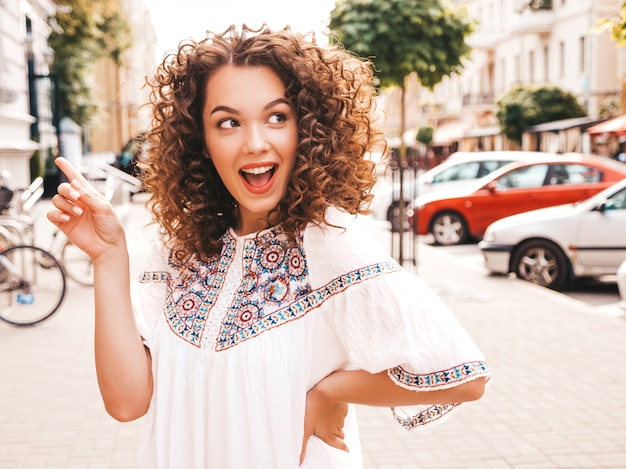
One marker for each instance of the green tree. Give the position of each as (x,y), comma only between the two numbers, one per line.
(403,37)
(526,105)
(87,31)
(425,135)
(616,24)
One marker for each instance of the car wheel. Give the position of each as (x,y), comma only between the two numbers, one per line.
(541,262)
(449,229)
(393,216)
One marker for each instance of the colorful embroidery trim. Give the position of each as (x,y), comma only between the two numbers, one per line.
(429,415)
(438,378)
(232,335)
(275,290)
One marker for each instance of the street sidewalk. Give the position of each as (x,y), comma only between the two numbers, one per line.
(557,400)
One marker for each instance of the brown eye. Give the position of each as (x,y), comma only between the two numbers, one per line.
(277,118)
(227,124)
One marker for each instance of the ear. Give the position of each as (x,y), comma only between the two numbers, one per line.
(206,154)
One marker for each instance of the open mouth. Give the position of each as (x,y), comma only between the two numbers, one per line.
(258,177)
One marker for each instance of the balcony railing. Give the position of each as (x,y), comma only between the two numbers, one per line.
(534,5)
(540,5)
(477,99)
(540,20)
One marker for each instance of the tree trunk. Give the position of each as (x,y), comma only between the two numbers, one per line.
(402,166)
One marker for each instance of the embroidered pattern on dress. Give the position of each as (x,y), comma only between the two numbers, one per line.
(429,415)
(155,277)
(192,294)
(435,380)
(274,291)
(235,330)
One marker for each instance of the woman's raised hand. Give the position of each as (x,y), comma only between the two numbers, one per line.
(84,215)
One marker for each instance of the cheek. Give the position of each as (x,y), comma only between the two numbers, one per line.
(291,146)
(220,157)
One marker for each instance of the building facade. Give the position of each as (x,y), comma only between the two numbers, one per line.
(526,41)
(120,90)
(26,121)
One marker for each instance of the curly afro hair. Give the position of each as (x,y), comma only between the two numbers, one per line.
(332,92)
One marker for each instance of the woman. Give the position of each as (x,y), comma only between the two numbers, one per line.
(265,311)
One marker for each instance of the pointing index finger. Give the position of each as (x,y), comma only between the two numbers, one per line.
(70,170)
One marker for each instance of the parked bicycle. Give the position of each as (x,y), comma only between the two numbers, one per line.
(32,285)
(32,280)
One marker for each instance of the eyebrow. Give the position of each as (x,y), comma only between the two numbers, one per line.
(235,111)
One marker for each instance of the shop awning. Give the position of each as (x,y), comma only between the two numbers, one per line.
(564,124)
(448,133)
(615,126)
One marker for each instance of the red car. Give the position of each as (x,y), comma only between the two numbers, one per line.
(454,217)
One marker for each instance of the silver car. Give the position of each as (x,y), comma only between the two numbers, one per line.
(555,245)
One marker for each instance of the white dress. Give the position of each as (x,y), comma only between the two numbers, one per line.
(237,342)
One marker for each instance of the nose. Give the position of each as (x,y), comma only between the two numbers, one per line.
(256,139)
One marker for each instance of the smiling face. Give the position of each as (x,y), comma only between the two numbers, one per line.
(251,134)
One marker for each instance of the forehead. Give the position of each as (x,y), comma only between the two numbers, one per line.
(243,84)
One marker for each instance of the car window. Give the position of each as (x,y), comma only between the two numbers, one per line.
(573,174)
(489,166)
(528,176)
(458,172)
(617,201)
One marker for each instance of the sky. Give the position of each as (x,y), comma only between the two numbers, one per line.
(177,20)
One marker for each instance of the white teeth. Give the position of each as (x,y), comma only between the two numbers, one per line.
(259,170)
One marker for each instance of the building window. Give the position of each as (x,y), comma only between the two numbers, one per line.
(583,57)
(561,59)
(517,72)
(531,66)
(546,64)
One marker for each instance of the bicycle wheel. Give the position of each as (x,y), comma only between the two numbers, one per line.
(33,287)
(77,264)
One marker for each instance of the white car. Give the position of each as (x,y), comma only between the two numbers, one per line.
(458,170)
(555,245)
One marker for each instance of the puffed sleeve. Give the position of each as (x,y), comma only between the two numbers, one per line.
(149,290)
(389,319)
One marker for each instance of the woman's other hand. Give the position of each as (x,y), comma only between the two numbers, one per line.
(84,215)
(324,418)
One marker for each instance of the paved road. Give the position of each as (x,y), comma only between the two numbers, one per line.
(558,399)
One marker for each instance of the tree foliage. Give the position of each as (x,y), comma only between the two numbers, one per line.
(616,24)
(404,36)
(425,134)
(87,31)
(526,105)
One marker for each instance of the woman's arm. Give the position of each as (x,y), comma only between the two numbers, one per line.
(122,362)
(326,403)
(361,387)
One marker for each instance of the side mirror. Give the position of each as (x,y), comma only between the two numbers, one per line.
(600,207)
(492,186)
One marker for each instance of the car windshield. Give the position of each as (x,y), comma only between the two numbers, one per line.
(540,174)
(617,201)
(528,176)
(458,172)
